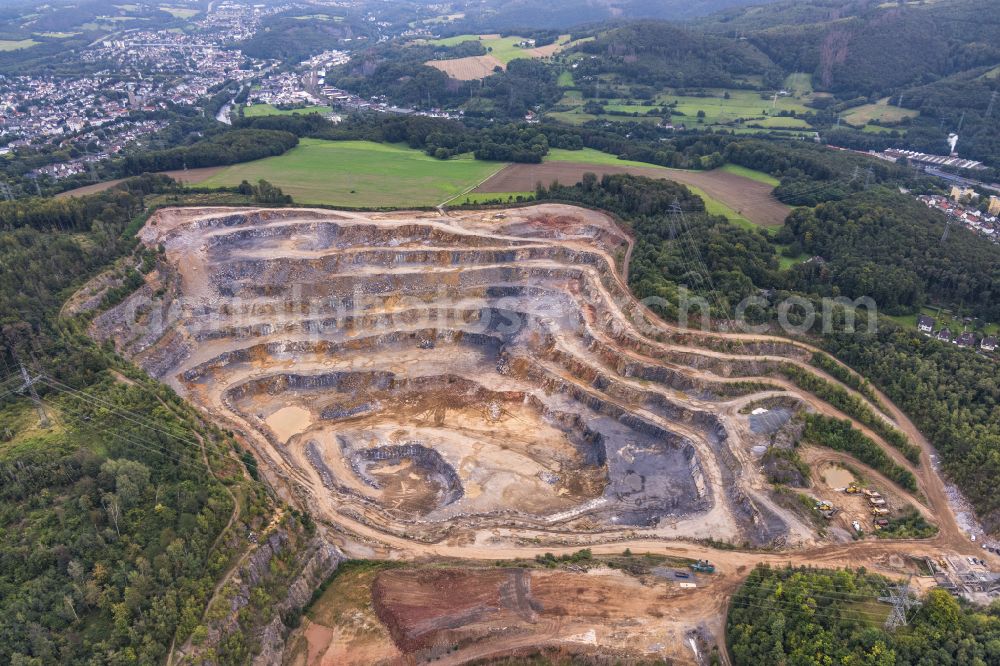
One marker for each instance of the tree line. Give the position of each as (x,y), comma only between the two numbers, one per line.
(811,616)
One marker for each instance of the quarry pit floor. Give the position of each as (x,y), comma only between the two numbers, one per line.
(482,385)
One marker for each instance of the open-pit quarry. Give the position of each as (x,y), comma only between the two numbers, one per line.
(481,384)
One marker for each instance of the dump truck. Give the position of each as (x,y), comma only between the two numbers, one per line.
(703,566)
(879,511)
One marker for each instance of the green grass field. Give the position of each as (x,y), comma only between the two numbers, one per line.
(944,319)
(779,122)
(570,117)
(361,174)
(860,116)
(179,12)
(489,197)
(503,49)
(258,110)
(744,106)
(799,83)
(590,156)
(784,263)
(752,174)
(16,45)
(878,129)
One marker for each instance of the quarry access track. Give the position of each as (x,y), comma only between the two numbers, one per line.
(481,384)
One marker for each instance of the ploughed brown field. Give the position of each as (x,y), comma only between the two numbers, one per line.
(467,69)
(751,199)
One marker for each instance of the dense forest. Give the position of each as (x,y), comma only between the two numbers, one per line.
(888,247)
(110,517)
(662,55)
(289,38)
(813,616)
(862,49)
(228,148)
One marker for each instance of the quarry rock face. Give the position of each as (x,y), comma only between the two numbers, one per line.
(415,376)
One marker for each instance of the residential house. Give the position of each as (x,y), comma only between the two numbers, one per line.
(925,324)
(966,339)
(944,335)
(989,343)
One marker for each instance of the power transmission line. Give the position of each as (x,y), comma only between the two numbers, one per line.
(28,386)
(902,602)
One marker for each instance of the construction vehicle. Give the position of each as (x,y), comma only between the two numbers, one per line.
(879,511)
(881,522)
(703,566)
(823,506)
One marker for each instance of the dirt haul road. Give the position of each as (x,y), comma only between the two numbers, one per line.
(483,386)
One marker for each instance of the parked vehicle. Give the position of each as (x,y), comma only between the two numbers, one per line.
(703,566)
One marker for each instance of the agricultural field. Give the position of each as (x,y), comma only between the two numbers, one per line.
(589,156)
(467,69)
(799,83)
(473,198)
(319,17)
(501,51)
(16,45)
(742,109)
(180,12)
(740,105)
(743,196)
(752,174)
(257,110)
(571,117)
(506,49)
(779,122)
(881,111)
(361,174)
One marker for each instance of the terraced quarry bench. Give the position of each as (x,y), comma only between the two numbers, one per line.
(417,378)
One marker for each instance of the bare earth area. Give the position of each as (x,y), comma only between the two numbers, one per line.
(480,386)
(747,197)
(467,69)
